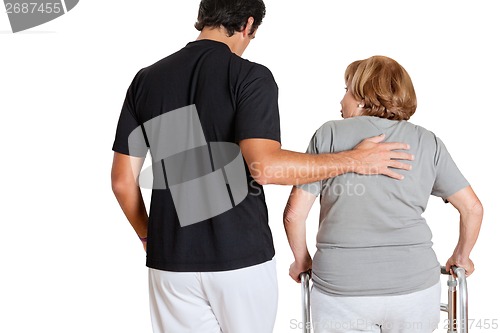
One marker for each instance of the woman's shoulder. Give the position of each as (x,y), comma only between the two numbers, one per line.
(348,132)
(344,134)
(355,125)
(420,130)
(343,123)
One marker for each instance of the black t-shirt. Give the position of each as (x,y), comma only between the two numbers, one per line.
(235,100)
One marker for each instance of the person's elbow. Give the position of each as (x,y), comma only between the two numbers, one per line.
(468,204)
(473,211)
(269,171)
(121,184)
(262,173)
(476,209)
(262,158)
(291,215)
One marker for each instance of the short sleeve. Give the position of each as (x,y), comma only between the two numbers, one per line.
(449,179)
(316,187)
(129,137)
(257,113)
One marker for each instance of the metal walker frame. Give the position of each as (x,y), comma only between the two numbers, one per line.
(454,325)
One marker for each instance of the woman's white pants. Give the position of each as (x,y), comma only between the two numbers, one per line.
(410,313)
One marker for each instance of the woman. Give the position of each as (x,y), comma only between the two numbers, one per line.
(375,269)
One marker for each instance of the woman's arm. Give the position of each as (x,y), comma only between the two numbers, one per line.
(471,216)
(294,219)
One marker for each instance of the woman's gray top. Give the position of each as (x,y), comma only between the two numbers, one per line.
(372,239)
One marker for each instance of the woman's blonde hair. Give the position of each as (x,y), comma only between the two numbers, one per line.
(383,86)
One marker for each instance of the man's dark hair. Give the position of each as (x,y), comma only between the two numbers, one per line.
(231,14)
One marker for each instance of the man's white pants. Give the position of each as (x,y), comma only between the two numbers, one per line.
(236,301)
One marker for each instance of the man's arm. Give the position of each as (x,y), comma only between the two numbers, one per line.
(124,174)
(269,164)
(471,217)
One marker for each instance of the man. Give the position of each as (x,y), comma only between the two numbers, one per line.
(219,274)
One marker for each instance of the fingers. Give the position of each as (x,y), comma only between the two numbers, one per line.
(395,146)
(468,271)
(467,265)
(392,174)
(294,274)
(376,139)
(295,271)
(294,277)
(387,171)
(380,158)
(448,266)
(469,268)
(399,165)
(396,165)
(396,155)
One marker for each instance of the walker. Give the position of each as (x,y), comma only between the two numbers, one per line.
(454,325)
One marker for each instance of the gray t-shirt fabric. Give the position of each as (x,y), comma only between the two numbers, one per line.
(372,239)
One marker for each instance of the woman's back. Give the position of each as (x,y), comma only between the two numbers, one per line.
(372,238)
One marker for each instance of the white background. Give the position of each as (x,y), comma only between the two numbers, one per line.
(70,261)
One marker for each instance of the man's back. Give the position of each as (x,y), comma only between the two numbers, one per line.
(235,100)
